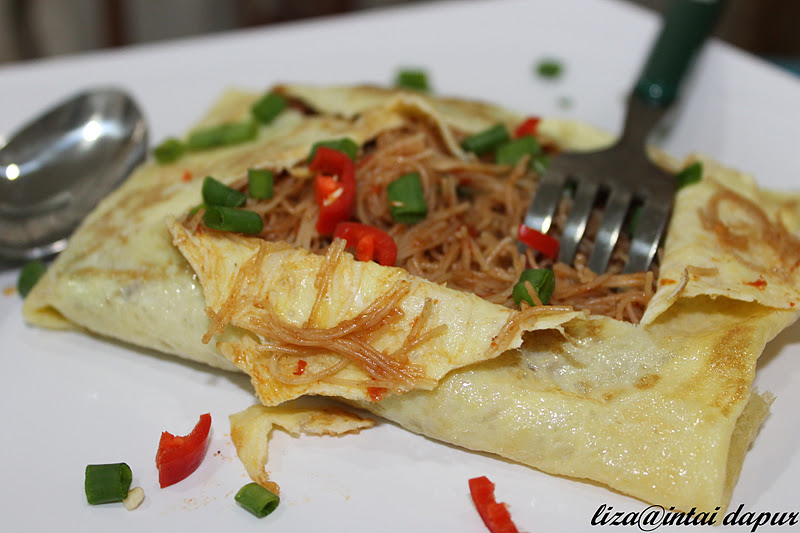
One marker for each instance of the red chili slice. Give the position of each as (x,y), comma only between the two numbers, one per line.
(528,127)
(376,394)
(370,243)
(328,162)
(760,283)
(326,189)
(538,241)
(495,515)
(178,457)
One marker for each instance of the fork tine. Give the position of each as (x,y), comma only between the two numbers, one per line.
(540,212)
(647,235)
(613,216)
(577,219)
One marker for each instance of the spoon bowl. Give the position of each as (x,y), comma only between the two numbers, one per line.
(56,169)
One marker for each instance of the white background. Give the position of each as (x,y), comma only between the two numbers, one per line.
(69,399)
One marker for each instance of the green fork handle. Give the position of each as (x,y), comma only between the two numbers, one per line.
(687,24)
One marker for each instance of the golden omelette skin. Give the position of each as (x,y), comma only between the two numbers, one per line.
(669,422)
(272,281)
(649,410)
(121,277)
(251,428)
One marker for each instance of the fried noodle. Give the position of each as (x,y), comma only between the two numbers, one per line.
(467,241)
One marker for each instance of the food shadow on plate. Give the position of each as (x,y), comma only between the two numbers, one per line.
(214,375)
(789,337)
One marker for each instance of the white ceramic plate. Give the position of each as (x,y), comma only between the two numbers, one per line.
(70,399)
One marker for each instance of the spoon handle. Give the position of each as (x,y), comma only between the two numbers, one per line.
(687,24)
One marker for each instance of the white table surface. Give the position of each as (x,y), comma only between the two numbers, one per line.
(68,399)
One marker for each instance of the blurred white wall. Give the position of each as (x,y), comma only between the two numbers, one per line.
(34,28)
(38,28)
(154,20)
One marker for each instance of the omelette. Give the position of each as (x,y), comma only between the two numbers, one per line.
(642,383)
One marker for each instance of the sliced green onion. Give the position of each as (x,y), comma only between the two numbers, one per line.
(257,499)
(486,140)
(193,211)
(407,199)
(565,102)
(231,219)
(345,144)
(168,151)
(259,183)
(30,274)
(416,79)
(512,151)
(689,175)
(634,220)
(217,193)
(268,107)
(222,135)
(107,483)
(569,189)
(543,282)
(549,68)
(540,162)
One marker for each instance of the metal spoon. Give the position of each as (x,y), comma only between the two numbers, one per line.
(57,168)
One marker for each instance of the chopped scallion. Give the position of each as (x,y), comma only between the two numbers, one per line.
(193,211)
(689,175)
(543,282)
(512,151)
(222,135)
(565,102)
(217,193)
(30,274)
(256,499)
(416,79)
(168,151)
(107,483)
(268,107)
(259,183)
(345,144)
(634,219)
(539,163)
(486,140)
(549,68)
(407,199)
(231,219)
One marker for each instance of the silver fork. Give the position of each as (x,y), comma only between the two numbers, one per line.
(623,173)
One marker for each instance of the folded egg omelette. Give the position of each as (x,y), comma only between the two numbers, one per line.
(661,408)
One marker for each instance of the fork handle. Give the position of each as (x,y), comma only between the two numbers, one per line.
(687,24)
